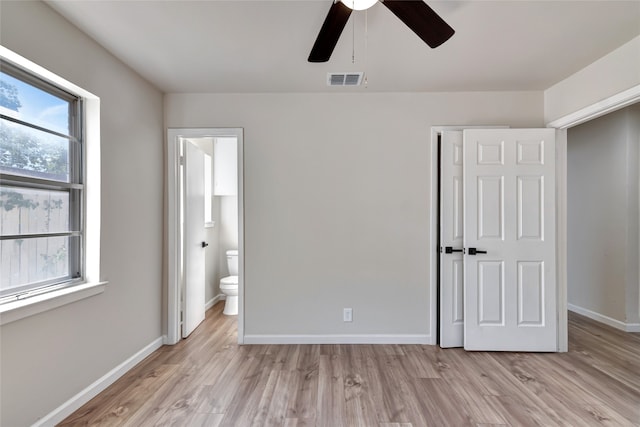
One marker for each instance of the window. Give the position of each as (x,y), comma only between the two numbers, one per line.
(208,194)
(42,189)
(49,190)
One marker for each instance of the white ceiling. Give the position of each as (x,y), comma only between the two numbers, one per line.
(262,46)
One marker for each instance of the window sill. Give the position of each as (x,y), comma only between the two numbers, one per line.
(16,310)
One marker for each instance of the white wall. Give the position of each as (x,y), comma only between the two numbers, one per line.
(228,229)
(214,270)
(48,358)
(603,188)
(336,200)
(613,73)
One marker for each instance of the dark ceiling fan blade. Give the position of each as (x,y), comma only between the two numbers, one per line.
(330,32)
(418,16)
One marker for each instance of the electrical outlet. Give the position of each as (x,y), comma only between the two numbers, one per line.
(347,315)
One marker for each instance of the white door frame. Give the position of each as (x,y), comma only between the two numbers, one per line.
(600,108)
(174,231)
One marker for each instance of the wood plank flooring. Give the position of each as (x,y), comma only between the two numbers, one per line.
(208,380)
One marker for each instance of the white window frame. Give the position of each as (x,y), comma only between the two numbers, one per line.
(208,191)
(90,284)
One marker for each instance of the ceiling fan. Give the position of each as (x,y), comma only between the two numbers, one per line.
(416,14)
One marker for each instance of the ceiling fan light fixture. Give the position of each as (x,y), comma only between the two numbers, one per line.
(359,4)
(415,14)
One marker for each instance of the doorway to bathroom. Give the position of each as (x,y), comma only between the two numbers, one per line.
(204,223)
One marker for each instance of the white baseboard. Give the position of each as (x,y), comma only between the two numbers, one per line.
(214,300)
(337,339)
(71,405)
(626,327)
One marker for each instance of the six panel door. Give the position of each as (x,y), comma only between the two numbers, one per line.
(509,239)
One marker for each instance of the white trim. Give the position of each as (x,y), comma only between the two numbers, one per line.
(561,240)
(173,237)
(71,405)
(16,310)
(43,73)
(626,327)
(240,136)
(173,230)
(338,339)
(165,341)
(433,234)
(600,108)
(214,300)
(93,284)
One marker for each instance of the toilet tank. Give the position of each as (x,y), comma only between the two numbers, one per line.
(232,262)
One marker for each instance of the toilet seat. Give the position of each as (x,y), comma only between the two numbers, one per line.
(229,281)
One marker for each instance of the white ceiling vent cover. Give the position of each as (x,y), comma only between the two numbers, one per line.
(344,79)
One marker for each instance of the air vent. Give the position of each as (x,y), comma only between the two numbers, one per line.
(344,79)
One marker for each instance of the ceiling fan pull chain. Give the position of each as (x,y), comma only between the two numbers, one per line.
(353,40)
(366,47)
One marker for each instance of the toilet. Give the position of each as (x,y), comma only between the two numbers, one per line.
(229,284)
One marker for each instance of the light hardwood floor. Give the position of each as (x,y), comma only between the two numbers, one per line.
(208,380)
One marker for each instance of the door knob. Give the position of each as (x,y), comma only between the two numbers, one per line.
(473,251)
(450,250)
(205,244)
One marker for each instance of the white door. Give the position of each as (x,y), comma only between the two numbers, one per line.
(451,241)
(193,295)
(509,239)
